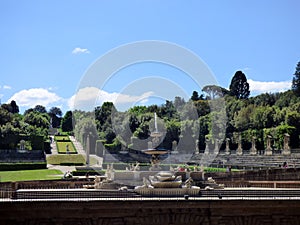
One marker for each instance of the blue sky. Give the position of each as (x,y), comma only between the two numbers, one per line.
(48,46)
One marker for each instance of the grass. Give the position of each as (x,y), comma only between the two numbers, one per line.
(68,159)
(23,175)
(62,147)
(59,159)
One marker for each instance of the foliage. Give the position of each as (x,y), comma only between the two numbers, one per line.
(196,97)
(61,138)
(221,114)
(296,80)
(55,113)
(67,122)
(214,91)
(22,166)
(12,107)
(239,87)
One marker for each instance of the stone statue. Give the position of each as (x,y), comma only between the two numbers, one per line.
(227,149)
(189,182)
(253,150)
(206,151)
(216,150)
(174,145)
(97,183)
(110,172)
(268,150)
(286,147)
(197,147)
(22,145)
(239,150)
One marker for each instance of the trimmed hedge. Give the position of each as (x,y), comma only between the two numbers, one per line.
(22,166)
(90,172)
(71,164)
(61,138)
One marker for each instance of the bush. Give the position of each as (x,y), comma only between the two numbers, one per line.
(22,166)
(61,138)
(47,147)
(71,164)
(90,172)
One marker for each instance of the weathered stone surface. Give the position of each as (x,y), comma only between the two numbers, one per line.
(204,212)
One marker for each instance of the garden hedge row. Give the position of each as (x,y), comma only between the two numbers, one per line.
(22,166)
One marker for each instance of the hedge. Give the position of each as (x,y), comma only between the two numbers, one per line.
(61,138)
(71,164)
(90,172)
(22,166)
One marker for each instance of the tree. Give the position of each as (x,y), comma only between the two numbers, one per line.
(40,108)
(214,91)
(55,113)
(67,122)
(179,102)
(239,86)
(296,80)
(12,107)
(196,97)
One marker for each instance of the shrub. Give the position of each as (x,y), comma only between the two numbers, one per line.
(22,166)
(89,171)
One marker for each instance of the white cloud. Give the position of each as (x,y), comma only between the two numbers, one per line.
(258,87)
(80,50)
(89,97)
(35,96)
(5,87)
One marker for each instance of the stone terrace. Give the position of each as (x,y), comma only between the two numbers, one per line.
(248,161)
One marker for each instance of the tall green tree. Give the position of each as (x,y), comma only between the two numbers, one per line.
(40,108)
(67,122)
(55,113)
(239,86)
(296,80)
(12,107)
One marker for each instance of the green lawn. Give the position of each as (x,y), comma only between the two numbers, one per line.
(65,159)
(23,175)
(62,147)
(59,159)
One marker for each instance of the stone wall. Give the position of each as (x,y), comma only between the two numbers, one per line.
(152,212)
(22,156)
